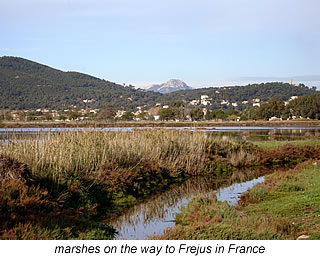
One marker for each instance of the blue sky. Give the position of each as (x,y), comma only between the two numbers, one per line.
(201,42)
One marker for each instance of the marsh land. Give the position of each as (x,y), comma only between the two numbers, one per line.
(72,184)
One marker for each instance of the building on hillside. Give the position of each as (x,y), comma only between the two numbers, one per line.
(274,118)
(120,113)
(204,111)
(205,100)
(88,101)
(195,102)
(293,98)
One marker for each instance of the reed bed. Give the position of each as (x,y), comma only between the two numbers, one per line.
(88,152)
(94,175)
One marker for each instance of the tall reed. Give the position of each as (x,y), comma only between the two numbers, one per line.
(87,152)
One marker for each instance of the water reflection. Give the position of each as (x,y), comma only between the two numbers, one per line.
(158,213)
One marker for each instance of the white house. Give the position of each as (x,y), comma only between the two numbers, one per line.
(195,102)
(293,98)
(205,100)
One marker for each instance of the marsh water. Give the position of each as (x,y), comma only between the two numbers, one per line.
(156,214)
(249,133)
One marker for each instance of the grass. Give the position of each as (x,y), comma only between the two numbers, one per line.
(275,144)
(89,152)
(285,206)
(29,210)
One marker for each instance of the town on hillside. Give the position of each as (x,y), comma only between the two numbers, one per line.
(194,110)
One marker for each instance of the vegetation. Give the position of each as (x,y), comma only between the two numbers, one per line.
(304,107)
(35,207)
(285,206)
(54,186)
(61,185)
(275,144)
(29,85)
(238,94)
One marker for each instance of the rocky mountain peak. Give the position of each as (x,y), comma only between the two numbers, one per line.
(170,86)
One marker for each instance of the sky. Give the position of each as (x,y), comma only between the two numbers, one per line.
(144,42)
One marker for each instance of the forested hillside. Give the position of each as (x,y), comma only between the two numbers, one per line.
(238,94)
(28,85)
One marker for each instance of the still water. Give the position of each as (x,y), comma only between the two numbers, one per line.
(249,133)
(157,213)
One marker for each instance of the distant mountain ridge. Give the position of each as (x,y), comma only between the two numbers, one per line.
(170,86)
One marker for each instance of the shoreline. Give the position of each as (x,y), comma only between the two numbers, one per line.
(115,124)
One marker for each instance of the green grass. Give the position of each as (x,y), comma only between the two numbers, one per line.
(275,144)
(294,196)
(285,206)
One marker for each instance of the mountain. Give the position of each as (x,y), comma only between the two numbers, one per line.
(25,84)
(170,86)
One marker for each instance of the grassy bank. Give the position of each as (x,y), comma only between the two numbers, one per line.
(275,144)
(285,206)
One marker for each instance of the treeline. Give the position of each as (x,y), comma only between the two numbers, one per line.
(302,107)
(307,107)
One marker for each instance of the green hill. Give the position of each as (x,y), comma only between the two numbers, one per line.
(238,94)
(26,84)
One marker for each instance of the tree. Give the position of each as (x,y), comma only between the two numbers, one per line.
(274,107)
(196,114)
(143,116)
(107,114)
(166,114)
(127,116)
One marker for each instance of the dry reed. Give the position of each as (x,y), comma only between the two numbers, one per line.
(83,153)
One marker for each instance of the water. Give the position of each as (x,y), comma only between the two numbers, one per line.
(158,212)
(246,133)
